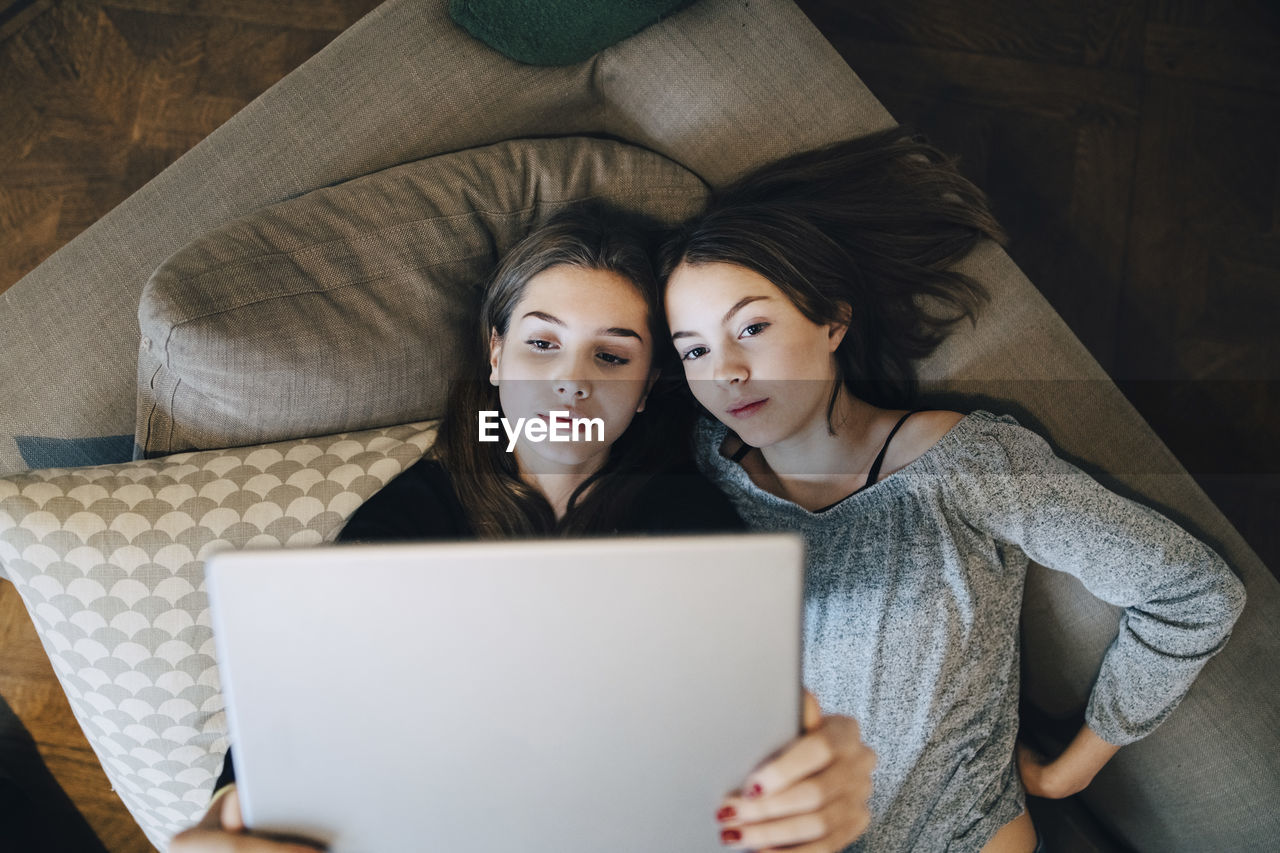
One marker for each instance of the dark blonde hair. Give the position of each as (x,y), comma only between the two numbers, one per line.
(864,231)
(497,502)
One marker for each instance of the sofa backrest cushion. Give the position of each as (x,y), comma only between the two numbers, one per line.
(109,562)
(346,308)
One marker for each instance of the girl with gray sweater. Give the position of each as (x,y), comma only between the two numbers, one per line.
(797,303)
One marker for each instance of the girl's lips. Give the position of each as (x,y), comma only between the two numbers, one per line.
(559,418)
(748,409)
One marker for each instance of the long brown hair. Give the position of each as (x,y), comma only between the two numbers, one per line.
(497,502)
(864,231)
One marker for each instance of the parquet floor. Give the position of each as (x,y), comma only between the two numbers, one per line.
(1132,149)
(100,95)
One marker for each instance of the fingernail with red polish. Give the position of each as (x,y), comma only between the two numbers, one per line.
(755,790)
(729,836)
(726,813)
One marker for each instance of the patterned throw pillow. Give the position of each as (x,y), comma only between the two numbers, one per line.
(109,561)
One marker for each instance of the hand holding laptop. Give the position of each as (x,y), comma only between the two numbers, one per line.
(815,791)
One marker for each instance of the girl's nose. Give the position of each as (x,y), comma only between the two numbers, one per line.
(573,389)
(729,371)
(568,378)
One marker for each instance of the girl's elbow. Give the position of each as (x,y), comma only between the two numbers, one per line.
(1235,596)
(1226,600)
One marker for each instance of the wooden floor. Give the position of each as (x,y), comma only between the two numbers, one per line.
(1132,149)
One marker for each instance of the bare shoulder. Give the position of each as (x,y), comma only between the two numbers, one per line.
(920,432)
(933,425)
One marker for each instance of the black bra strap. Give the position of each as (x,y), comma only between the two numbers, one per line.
(875,466)
(874,475)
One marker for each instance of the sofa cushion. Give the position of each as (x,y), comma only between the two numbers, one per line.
(556,32)
(346,307)
(109,562)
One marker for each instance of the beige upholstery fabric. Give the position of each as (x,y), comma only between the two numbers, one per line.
(109,562)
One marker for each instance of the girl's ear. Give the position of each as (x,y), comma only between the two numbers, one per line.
(495,355)
(653,377)
(837,328)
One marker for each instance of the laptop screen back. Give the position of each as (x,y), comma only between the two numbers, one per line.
(563,695)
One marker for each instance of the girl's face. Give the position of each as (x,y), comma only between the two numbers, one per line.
(578,341)
(751,358)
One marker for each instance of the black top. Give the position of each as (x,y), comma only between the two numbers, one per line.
(421,504)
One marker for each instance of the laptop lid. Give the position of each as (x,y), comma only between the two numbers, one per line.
(557,695)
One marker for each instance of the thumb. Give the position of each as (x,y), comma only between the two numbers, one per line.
(812,712)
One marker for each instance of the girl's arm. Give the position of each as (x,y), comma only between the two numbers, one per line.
(1069,773)
(1180,599)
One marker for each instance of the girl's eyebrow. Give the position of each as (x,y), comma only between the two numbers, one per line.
(620,332)
(728,315)
(611,332)
(543,315)
(738,306)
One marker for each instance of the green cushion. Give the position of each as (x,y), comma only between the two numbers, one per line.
(556,32)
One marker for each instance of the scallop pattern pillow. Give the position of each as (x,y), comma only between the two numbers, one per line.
(109,562)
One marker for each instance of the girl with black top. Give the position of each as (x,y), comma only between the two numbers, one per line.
(569,330)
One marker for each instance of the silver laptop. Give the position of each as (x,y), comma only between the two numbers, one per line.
(514,697)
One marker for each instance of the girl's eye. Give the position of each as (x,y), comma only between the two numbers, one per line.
(540,344)
(694,353)
(615,360)
(754,329)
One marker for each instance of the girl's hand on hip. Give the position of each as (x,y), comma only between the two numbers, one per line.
(1069,773)
(811,798)
(222,830)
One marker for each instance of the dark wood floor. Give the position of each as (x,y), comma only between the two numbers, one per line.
(1132,149)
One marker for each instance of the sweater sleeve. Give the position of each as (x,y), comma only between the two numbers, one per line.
(1180,599)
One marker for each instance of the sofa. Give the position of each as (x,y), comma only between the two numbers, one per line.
(149,420)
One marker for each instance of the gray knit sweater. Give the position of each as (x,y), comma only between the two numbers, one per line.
(913,594)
